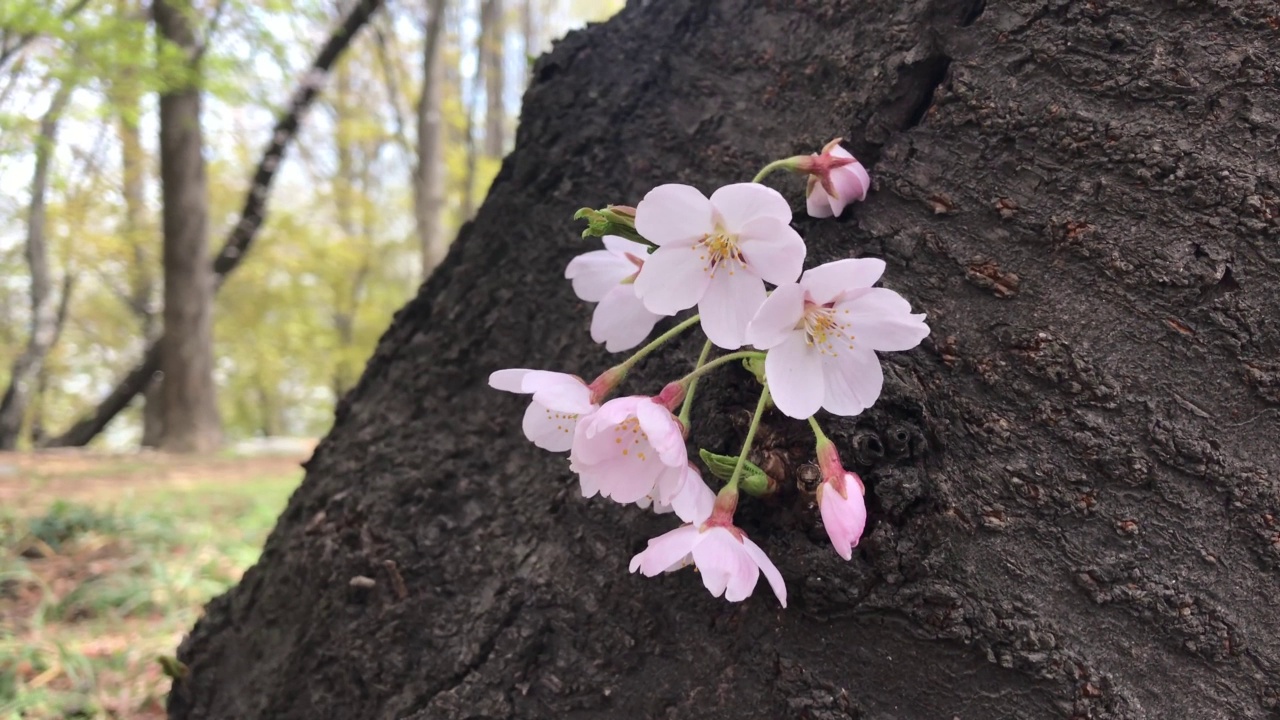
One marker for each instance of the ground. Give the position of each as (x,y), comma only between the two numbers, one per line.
(106,562)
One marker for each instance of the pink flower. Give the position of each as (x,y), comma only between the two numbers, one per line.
(620,321)
(822,334)
(840,500)
(836,179)
(559,401)
(729,563)
(716,254)
(691,501)
(630,448)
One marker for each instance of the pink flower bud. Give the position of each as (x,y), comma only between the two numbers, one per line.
(836,179)
(840,500)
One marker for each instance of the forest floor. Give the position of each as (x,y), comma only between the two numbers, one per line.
(107,560)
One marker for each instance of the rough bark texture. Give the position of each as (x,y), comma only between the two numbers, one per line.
(45,323)
(188,393)
(1073,483)
(240,238)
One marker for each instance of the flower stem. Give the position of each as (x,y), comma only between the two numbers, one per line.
(687,407)
(818,435)
(658,342)
(783,164)
(722,360)
(751,436)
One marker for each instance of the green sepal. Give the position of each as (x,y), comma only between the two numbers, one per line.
(753,481)
(609,222)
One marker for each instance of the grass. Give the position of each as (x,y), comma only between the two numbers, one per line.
(95,591)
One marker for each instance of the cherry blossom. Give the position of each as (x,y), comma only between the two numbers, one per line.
(632,447)
(620,320)
(828,327)
(692,502)
(727,560)
(716,253)
(836,179)
(840,500)
(560,400)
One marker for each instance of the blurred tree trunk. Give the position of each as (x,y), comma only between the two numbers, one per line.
(1072,484)
(189,394)
(493,35)
(429,175)
(530,32)
(44,309)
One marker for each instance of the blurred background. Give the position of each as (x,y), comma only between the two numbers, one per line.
(197,256)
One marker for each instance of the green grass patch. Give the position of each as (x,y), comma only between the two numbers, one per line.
(91,593)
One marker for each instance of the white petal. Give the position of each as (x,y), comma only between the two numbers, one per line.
(559,392)
(731,300)
(773,250)
(818,203)
(695,501)
(665,550)
(794,372)
(852,381)
(621,321)
(674,278)
(674,214)
(767,567)
(511,380)
(826,283)
(596,273)
(663,431)
(547,429)
(741,203)
(715,558)
(777,318)
(882,320)
(669,485)
(622,247)
(851,183)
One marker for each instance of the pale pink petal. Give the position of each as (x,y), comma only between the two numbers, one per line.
(833,281)
(741,203)
(621,320)
(670,483)
(716,559)
(511,380)
(559,392)
(882,320)
(664,433)
(794,372)
(623,478)
(850,182)
(665,550)
(547,429)
(777,318)
(674,214)
(843,518)
(770,572)
(622,247)
(818,203)
(744,576)
(614,412)
(731,300)
(674,278)
(852,381)
(772,250)
(695,501)
(596,273)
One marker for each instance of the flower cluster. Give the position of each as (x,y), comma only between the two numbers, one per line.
(813,341)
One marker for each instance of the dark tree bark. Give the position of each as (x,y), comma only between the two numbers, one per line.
(45,321)
(242,234)
(188,393)
(1072,483)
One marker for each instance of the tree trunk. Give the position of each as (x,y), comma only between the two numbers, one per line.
(428,176)
(493,33)
(44,309)
(1072,484)
(189,394)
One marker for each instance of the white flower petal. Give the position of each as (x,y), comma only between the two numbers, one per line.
(548,429)
(767,567)
(674,214)
(595,273)
(663,431)
(674,278)
(829,281)
(818,203)
(731,300)
(772,250)
(852,381)
(777,318)
(741,203)
(559,392)
(794,372)
(511,380)
(665,550)
(882,320)
(621,320)
(695,501)
(714,556)
(622,247)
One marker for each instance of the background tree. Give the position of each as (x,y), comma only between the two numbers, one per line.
(1072,484)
